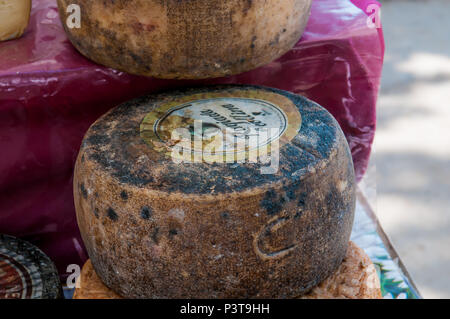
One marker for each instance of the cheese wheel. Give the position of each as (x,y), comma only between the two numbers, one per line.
(184,39)
(26,272)
(217,192)
(14,16)
(356,278)
(89,285)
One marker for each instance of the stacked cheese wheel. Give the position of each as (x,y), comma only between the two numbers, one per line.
(218,192)
(356,278)
(193,39)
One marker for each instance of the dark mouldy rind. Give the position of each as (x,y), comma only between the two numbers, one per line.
(146,213)
(255,236)
(124,195)
(112,214)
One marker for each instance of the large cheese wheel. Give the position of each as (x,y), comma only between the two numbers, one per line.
(184,39)
(356,278)
(219,192)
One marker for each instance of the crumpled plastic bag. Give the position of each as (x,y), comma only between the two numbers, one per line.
(50,95)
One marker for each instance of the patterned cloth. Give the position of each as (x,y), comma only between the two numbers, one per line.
(394,282)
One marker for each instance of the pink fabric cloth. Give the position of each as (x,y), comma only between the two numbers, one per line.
(50,95)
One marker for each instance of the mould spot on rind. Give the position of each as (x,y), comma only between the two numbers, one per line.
(96,212)
(112,214)
(290,192)
(83,191)
(253,45)
(302,199)
(124,195)
(146,213)
(173,232)
(271,203)
(225,215)
(298,214)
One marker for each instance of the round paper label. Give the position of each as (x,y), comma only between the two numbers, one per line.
(219,128)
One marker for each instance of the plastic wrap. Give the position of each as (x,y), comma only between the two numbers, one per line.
(50,95)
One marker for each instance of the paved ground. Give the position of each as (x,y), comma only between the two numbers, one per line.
(413,140)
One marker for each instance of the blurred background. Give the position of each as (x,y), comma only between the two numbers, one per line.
(412,146)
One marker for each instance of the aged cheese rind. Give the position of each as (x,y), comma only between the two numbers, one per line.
(186,39)
(156,229)
(356,278)
(14,16)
